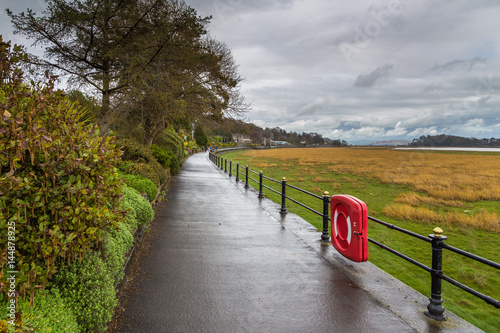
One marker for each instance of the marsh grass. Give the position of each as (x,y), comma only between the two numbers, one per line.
(434,180)
(416,190)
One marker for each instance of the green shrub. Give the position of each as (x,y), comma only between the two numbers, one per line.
(200,136)
(51,314)
(114,248)
(163,156)
(131,217)
(58,183)
(175,165)
(167,159)
(140,154)
(145,170)
(142,208)
(89,291)
(141,184)
(124,167)
(170,140)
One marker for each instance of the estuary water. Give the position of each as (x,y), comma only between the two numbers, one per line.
(494,150)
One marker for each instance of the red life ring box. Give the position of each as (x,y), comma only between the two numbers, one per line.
(349,224)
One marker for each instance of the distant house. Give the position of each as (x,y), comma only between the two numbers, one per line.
(241,140)
(279,143)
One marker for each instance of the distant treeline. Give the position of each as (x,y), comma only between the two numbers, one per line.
(444,140)
(257,134)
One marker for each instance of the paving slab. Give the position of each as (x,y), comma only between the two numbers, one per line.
(222,260)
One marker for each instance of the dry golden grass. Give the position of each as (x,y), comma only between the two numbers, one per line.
(481,219)
(315,189)
(266,165)
(448,180)
(414,199)
(320,180)
(462,177)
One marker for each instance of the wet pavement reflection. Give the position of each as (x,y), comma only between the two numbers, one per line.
(217,262)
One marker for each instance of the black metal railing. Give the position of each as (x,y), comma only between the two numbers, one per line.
(435,308)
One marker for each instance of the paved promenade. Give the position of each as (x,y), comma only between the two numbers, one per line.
(220,260)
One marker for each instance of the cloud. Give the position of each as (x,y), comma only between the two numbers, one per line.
(318,104)
(476,122)
(458,63)
(426,68)
(397,131)
(418,132)
(370,79)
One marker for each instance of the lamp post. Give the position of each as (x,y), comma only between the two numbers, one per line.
(192,129)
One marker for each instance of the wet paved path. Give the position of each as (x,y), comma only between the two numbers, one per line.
(219,263)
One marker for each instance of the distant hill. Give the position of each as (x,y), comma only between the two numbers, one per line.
(444,140)
(225,128)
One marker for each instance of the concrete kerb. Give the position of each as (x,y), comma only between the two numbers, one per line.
(404,301)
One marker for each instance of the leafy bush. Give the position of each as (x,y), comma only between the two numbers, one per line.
(117,243)
(51,314)
(175,165)
(200,136)
(58,183)
(89,291)
(142,185)
(163,156)
(140,154)
(131,217)
(167,159)
(145,170)
(114,248)
(170,140)
(142,208)
(124,167)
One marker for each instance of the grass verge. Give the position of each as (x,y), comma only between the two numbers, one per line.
(470,221)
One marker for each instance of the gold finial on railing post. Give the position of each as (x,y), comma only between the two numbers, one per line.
(438,232)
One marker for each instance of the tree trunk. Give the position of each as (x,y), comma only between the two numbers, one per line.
(104,119)
(148,131)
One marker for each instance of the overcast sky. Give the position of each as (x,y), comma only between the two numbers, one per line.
(361,71)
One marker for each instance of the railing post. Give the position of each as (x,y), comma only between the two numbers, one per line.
(225,165)
(325,237)
(246,177)
(283,196)
(435,308)
(261,179)
(221,164)
(230,168)
(237,172)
